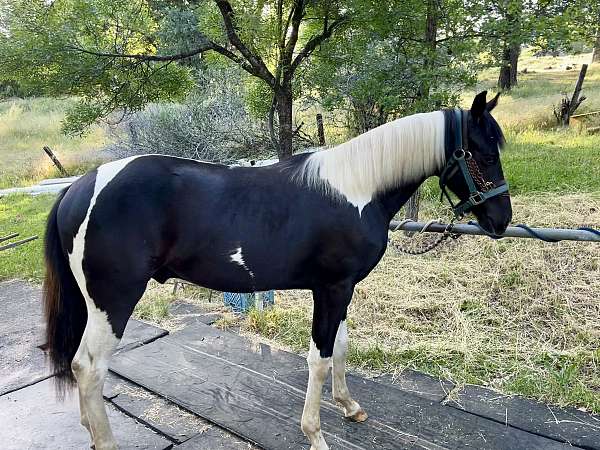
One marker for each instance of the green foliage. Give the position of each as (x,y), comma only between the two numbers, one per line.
(259,98)
(212,124)
(385,65)
(43,52)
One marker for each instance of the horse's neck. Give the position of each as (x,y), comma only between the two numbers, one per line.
(392,200)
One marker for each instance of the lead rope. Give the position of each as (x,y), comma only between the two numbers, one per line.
(432,245)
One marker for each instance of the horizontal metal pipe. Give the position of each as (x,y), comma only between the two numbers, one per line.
(17,243)
(562,234)
(10,236)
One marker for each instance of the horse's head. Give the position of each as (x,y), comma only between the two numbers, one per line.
(474,172)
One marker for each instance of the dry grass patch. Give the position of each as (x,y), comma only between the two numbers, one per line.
(26,125)
(519,315)
(529,104)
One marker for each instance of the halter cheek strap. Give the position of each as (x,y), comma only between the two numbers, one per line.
(458,162)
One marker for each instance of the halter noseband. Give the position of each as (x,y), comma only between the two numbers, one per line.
(480,190)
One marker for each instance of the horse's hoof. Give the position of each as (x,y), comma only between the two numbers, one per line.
(358,416)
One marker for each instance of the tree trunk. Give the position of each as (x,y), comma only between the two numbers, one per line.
(284,113)
(596,54)
(508,71)
(431,30)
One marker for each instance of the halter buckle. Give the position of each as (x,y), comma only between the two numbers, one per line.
(476,198)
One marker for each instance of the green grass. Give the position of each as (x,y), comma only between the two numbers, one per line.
(26,126)
(561,161)
(154,307)
(25,215)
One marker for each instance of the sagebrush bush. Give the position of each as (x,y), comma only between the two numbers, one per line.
(213,124)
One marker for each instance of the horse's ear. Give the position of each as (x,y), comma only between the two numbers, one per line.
(479,104)
(492,103)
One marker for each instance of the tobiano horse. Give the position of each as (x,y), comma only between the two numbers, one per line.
(317,221)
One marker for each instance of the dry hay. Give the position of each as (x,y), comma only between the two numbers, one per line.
(484,311)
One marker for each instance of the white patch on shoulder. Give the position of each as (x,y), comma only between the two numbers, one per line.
(104,175)
(238,258)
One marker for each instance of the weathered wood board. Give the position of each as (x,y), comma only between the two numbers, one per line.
(258,393)
(22,363)
(569,425)
(32,418)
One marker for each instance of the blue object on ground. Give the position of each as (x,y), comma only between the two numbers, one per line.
(242,302)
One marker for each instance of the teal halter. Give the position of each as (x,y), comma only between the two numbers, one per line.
(461,159)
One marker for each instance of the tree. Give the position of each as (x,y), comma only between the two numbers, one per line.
(396,58)
(582,17)
(119,54)
(508,25)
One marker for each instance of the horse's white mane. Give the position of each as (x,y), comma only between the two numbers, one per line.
(396,153)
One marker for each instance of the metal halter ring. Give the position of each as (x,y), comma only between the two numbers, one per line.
(459,153)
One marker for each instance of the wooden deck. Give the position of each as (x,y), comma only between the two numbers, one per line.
(204,388)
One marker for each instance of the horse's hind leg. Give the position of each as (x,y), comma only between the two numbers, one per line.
(102,333)
(90,366)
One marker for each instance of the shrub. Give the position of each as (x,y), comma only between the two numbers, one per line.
(213,124)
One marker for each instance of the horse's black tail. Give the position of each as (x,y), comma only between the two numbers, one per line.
(64,306)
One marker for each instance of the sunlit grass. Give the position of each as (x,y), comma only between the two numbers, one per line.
(530,104)
(26,126)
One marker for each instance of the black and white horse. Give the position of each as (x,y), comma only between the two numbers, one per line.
(318,221)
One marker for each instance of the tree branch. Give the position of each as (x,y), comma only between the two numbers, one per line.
(259,68)
(146,57)
(208,45)
(315,41)
(297,14)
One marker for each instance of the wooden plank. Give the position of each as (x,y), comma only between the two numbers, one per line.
(568,425)
(152,410)
(258,394)
(214,439)
(66,180)
(418,383)
(10,236)
(33,418)
(17,243)
(139,333)
(55,160)
(21,361)
(592,113)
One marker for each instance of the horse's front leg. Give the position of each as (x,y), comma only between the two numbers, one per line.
(341,394)
(318,368)
(330,306)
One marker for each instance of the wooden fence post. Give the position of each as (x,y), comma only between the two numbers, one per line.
(412,209)
(320,130)
(568,106)
(55,160)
